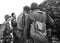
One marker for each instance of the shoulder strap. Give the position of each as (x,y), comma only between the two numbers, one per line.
(34,25)
(23,20)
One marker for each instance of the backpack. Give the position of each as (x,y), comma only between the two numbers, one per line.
(28,23)
(38,29)
(20,25)
(41,28)
(22,32)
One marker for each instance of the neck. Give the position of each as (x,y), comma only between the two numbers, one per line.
(14,17)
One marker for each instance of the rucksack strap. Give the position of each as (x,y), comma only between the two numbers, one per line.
(23,20)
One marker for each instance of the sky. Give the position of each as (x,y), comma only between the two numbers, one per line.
(16,6)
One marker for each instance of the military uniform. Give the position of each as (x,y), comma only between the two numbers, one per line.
(14,26)
(6,34)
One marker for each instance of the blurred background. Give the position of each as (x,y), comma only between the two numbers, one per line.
(16,6)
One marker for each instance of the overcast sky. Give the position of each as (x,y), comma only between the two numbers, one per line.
(9,6)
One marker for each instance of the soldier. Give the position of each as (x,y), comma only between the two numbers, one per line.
(28,22)
(39,17)
(6,34)
(24,22)
(14,27)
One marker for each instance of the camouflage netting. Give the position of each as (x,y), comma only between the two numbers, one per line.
(52,8)
(50,5)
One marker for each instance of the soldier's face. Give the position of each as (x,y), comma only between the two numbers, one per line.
(14,15)
(27,12)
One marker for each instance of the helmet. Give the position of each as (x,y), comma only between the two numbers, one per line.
(26,8)
(34,6)
(7,17)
